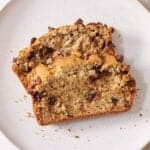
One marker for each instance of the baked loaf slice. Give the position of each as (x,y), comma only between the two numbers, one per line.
(73,72)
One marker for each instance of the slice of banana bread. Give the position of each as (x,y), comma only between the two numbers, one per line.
(73,72)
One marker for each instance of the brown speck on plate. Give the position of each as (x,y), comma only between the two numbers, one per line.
(140,114)
(76,136)
(69,129)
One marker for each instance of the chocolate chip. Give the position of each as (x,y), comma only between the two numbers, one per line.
(37,95)
(51,100)
(91,95)
(103,45)
(46,50)
(30,55)
(71,34)
(100,73)
(125,69)
(97,34)
(97,68)
(112,29)
(114,101)
(33,40)
(120,58)
(70,115)
(14,59)
(105,25)
(104,73)
(131,83)
(50,28)
(110,44)
(49,61)
(79,21)
(93,78)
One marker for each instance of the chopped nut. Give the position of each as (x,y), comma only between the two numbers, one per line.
(79,21)
(26,68)
(31,64)
(51,100)
(114,101)
(120,58)
(91,95)
(33,40)
(49,61)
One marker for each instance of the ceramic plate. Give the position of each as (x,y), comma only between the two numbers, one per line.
(23,19)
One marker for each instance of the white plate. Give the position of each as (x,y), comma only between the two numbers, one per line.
(24,19)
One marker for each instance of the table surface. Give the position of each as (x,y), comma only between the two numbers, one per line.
(4,142)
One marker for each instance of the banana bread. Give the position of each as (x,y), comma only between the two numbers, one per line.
(74,72)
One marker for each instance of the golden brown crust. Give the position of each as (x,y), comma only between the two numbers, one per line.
(40,120)
(80,59)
